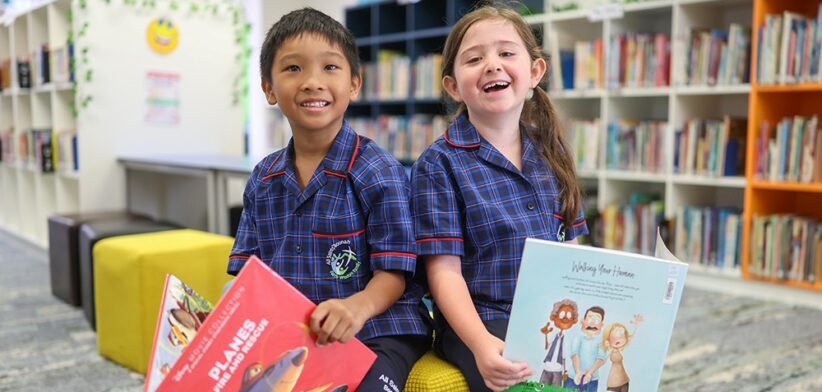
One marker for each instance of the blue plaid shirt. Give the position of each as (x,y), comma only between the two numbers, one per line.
(351,219)
(469,200)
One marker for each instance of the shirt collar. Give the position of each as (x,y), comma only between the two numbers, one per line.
(461,133)
(339,159)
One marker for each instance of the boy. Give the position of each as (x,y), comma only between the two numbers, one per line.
(330,212)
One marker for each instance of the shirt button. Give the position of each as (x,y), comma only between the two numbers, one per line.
(299,213)
(299,249)
(530,206)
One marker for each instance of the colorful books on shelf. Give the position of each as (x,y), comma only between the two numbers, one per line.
(255,339)
(639,60)
(587,318)
(711,147)
(710,237)
(717,57)
(66,151)
(635,145)
(790,152)
(789,49)
(583,138)
(394,77)
(787,247)
(632,227)
(403,136)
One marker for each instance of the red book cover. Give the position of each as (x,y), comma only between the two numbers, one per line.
(257,339)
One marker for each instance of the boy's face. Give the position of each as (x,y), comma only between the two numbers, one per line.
(311,81)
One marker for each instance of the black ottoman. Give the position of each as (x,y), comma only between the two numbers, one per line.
(63,254)
(92,232)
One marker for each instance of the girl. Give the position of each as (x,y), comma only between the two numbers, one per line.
(499,174)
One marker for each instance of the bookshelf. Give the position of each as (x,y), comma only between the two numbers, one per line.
(112,108)
(35,98)
(764,196)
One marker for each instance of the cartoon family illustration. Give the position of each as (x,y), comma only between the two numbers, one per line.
(574,361)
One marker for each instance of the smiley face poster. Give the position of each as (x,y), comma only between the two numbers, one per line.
(162,35)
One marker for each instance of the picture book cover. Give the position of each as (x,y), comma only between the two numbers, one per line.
(592,319)
(257,339)
(182,313)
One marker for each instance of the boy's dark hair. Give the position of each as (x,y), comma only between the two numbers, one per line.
(307,21)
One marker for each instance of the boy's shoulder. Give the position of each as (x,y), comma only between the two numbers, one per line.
(372,159)
(270,164)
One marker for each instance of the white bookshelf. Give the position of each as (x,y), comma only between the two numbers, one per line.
(674,104)
(27,195)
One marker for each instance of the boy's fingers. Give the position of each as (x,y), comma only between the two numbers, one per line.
(316,319)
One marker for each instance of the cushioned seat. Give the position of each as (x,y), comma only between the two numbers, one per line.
(432,373)
(95,231)
(129,274)
(64,257)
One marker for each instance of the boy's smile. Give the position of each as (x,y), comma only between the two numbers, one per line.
(311,82)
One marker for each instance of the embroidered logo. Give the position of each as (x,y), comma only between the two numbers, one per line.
(343,261)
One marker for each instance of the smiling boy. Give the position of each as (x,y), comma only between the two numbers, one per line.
(330,212)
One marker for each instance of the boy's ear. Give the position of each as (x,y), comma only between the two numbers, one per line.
(269,92)
(356,83)
(450,86)
(538,68)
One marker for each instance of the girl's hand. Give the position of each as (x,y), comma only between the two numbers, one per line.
(337,320)
(498,372)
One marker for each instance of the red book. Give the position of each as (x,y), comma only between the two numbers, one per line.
(257,339)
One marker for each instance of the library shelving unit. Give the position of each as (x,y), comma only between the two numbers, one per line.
(673,103)
(28,195)
(772,102)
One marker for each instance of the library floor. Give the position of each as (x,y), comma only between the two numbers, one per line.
(722,341)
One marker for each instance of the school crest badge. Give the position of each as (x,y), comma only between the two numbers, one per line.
(342,259)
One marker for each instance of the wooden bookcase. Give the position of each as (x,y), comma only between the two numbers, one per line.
(772,103)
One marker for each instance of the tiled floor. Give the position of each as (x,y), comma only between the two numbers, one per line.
(723,341)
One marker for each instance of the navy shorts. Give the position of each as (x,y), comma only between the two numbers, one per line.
(396,356)
(451,348)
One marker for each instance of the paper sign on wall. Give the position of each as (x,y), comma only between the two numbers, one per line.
(162,98)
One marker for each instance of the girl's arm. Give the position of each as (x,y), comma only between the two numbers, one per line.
(451,294)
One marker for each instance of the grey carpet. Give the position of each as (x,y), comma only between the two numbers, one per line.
(720,343)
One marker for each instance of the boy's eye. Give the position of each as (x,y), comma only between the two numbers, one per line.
(292,68)
(331,67)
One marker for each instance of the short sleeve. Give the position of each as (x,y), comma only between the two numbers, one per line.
(436,212)
(390,234)
(577,228)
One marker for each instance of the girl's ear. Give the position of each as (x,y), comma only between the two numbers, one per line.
(269,92)
(356,83)
(538,68)
(450,86)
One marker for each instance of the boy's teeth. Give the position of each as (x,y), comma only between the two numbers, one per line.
(315,104)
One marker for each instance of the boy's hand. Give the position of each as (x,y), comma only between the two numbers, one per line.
(498,372)
(337,320)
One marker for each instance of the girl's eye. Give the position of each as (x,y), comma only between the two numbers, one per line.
(506,54)
(473,60)
(331,67)
(292,68)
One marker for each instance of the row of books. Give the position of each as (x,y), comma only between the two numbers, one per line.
(580,68)
(403,136)
(708,236)
(718,57)
(786,247)
(566,5)
(43,66)
(44,150)
(632,227)
(635,145)
(711,147)
(639,60)
(790,152)
(394,76)
(583,139)
(790,48)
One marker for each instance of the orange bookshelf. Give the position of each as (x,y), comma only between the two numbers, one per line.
(771,103)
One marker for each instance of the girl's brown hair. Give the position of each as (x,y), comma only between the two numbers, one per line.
(544,127)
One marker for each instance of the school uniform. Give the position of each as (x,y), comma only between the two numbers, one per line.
(351,219)
(469,200)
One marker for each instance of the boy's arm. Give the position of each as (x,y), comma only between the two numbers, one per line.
(341,319)
(451,293)
(245,243)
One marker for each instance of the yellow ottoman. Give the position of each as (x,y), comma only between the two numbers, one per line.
(129,274)
(432,373)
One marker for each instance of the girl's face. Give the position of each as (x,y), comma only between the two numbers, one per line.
(493,70)
(618,337)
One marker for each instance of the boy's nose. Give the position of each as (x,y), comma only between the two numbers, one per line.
(311,82)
